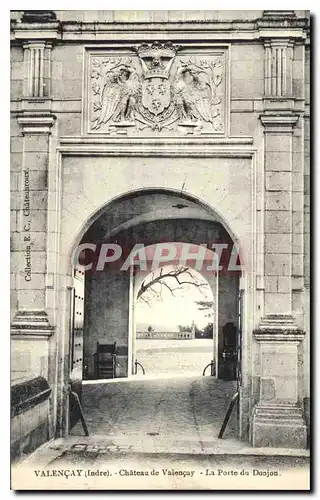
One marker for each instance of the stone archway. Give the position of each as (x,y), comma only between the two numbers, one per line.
(151,217)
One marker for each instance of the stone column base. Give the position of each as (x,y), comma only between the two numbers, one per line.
(279,426)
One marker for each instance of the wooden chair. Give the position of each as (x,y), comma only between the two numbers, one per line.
(106,360)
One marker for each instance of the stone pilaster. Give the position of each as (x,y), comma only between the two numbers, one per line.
(29,243)
(278,68)
(283,203)
(30,360)
(30,322)
(37,68)
(280,31)
(278,130)
(278,418)
(35,33)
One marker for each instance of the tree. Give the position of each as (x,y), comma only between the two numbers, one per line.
(197,332)
(205,305)
(174,279)
(208,331)
(184,328)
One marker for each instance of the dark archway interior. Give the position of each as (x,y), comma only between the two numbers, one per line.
(148,219)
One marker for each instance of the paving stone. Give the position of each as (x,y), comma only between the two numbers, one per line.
(148,413)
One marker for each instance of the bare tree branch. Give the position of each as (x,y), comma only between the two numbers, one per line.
(161,280)
(145,301)
(168,287)
(204,305)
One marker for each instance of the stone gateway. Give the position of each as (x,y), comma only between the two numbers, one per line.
(153,127)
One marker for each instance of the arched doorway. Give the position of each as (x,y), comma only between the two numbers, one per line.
(148,219)
(175,322)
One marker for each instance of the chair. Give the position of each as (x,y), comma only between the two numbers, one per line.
(106,360)
(228,358)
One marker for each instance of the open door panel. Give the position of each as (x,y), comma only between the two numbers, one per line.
(76,346)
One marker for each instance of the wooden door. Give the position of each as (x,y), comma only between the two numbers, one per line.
(76,347)
(239,338)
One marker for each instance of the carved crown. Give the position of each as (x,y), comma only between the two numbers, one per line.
(156,58)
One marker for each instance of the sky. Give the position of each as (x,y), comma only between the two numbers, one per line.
(178,310)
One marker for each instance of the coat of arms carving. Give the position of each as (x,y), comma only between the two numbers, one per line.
(154,89)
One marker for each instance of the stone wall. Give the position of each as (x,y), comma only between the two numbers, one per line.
(106,319)
(30,408)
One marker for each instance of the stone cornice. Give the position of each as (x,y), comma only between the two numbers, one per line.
(31,324)
(38,16)
(163,147)
(279,122)
(276,24)
(94,139)
(202,29)
(36,123)
(278,328)
(36,31)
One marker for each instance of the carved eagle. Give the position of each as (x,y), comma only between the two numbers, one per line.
(119,95)
(192,94)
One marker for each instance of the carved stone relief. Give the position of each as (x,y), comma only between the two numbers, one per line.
(157,89)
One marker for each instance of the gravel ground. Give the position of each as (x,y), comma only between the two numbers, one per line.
(188,407)
(162,357)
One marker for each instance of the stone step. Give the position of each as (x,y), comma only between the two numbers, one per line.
(279,415)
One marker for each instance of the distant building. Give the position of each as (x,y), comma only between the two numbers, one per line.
(165,335)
